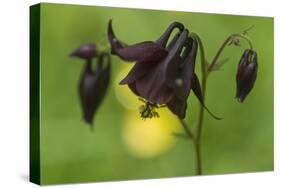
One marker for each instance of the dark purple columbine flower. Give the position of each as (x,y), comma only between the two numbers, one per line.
(246,74)
(161,78)
(93,83)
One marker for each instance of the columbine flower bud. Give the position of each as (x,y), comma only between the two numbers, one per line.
(94,82)
(246,74)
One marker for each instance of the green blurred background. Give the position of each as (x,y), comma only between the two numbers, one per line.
(122,146)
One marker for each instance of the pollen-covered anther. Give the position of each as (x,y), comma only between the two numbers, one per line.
(148,110)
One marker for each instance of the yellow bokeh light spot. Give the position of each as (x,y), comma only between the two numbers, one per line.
(122,92)
(150,137)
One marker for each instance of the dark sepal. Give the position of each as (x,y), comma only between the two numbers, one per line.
(143,52)
(154,86)
(187,69)
(196,88)
(140,69)
(178,107)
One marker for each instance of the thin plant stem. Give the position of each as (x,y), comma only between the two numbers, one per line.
(219,52)
(201,112)
(199,128)
(186,129)
(222,47)
(197,152)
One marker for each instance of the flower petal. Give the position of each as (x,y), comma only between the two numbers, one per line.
(144,52)
(178,107)
(153,86)
(153,90)
(196,88)
(137,72)
(133,89)
(140,69)
(181,80)
(188,67)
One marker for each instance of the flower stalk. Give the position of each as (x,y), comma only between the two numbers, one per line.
(224,44)
(205,71)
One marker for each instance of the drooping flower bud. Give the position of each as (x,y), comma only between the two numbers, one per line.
(94,82)
(246,74)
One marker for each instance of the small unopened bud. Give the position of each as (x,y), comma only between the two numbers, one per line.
(246,74)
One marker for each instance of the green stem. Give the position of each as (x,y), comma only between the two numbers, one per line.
(200,126)
(197,153)
(228,39)
(186,129)
(222,47)
(201,113)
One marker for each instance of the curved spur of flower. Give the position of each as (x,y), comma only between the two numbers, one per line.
(246,74)
(93,85)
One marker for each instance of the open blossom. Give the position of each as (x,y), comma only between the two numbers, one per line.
(94,82)
(246,74)
(163,73)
